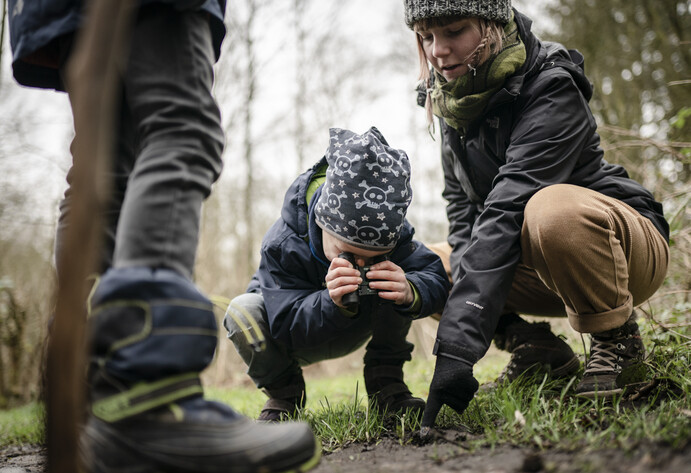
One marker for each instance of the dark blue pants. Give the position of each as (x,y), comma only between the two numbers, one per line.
(385,330)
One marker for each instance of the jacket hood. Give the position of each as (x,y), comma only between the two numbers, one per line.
(294,211)
(540,55)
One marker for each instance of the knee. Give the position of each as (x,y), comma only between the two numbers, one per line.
(549,205)
(560,216)
(245,312)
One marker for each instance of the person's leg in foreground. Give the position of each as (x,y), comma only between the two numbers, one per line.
(151,331)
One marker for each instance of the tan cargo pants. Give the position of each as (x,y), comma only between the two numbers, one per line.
(584,255)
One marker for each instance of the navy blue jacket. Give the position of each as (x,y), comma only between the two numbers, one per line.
(293,267)
(34,25)
(538,131)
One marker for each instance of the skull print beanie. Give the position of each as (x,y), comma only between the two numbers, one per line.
(367,190)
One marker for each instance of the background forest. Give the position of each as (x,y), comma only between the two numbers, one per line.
(290,69)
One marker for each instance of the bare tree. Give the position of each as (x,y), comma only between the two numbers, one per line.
(2,32)
(300,32)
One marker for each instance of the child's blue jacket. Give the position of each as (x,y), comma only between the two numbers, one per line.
(293,267)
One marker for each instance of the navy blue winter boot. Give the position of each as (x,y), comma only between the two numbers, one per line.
(151,333)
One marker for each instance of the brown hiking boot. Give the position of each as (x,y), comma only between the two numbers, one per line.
(387,391)
(615,362)
(535,349)
(286,397)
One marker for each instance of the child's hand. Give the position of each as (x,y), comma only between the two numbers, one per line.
(341,279)
(389,279)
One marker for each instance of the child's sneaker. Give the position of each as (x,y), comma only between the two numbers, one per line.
(286,398)
(389,393)
(196,435)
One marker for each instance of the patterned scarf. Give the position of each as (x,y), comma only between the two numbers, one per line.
(464,99)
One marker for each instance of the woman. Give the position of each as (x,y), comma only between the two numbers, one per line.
(539,222)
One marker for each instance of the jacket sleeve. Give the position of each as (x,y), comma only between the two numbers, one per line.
(299,310)
(553,125)
(460,211)
(424,269)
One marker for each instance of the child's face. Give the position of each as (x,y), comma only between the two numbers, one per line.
(333,247)
(449,47)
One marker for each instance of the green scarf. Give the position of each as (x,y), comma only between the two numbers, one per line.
(464,99)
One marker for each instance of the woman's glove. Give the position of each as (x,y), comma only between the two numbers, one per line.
(453,384)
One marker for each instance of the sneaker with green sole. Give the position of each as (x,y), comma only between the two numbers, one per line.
(196,435)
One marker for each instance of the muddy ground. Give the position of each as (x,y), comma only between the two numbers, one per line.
(448,454)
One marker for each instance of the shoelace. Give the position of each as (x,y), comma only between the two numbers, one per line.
(603,359)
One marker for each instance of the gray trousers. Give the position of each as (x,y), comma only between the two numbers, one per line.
(386,331)
(169,142)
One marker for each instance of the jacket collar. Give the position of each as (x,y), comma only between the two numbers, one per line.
(535,56)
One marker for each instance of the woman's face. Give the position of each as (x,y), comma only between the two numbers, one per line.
(449,47)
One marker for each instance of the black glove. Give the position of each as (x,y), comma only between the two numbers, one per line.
(453,384)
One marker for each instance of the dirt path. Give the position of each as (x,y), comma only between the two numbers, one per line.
(388,456)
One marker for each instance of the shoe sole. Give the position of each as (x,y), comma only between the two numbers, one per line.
(567,369)
(610,393)
(605,394)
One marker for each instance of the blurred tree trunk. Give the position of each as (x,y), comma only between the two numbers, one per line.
(92,78)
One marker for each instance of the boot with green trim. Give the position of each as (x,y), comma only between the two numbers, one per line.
(151,333)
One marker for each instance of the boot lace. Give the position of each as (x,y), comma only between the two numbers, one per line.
(603,357)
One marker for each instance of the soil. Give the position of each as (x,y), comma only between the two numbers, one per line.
(448,454)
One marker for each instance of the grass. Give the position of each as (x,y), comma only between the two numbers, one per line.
(536,412)
(23,425)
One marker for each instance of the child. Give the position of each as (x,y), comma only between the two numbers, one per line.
(350,205)
(540,222)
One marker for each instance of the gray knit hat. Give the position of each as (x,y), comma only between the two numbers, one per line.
(367,190)
(416,10)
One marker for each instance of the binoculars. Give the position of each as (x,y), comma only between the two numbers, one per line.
(352,300)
